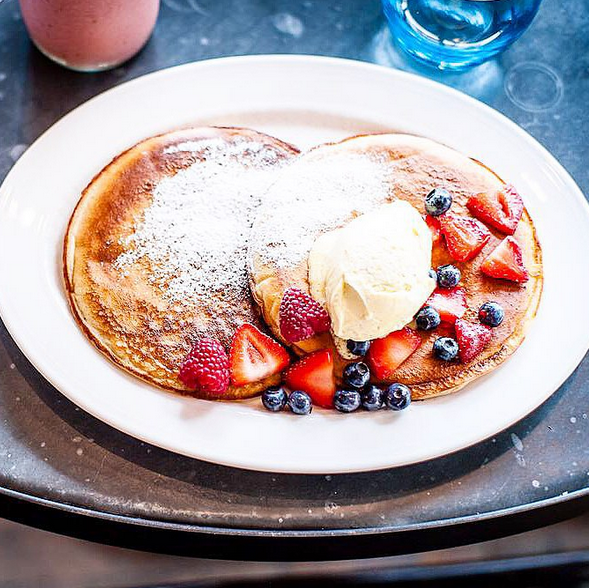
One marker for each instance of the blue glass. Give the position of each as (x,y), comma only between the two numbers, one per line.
(457,34)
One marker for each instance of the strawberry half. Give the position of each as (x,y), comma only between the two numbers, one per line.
(301,317)
(472,338)
(449,302)
(387,354)
(465,237)
(254,356)
(314,375)
(506,262)
(501,209)
(434,226)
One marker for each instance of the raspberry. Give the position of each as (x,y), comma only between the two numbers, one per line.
(301,317)
(206,368)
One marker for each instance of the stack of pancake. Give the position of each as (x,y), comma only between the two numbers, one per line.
(197,231)
(155,251)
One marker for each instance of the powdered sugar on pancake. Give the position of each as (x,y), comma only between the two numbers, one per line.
(313,196)
(195,231)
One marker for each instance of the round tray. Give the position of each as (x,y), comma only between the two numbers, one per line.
(62,470)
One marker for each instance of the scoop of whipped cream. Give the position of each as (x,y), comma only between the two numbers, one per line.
(372,275)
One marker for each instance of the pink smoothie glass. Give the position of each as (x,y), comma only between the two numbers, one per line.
(89,35)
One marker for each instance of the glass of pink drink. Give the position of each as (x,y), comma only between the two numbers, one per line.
(89,35)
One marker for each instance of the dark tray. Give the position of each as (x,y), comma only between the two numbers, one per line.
(63,470)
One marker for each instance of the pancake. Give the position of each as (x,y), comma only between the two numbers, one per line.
(334,183)
(155,251)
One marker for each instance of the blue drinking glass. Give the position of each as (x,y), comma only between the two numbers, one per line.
(457,34)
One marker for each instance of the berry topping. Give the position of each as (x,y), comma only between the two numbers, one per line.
(372,397)
(314,374)
(445,348)
(356,374)
(434,226)
(301,317)
(432,274)
(427,318)
(358,347)
(472,339)
(387,354)
(397,396)
(450,303)
(347,400)
(506,262)
(465,237)
(501,209)
(274,399)
(491,314)
(255,356)
(438,201)
(300,402)
(206,368)
(448,276)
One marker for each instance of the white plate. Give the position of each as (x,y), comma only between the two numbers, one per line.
(305,100)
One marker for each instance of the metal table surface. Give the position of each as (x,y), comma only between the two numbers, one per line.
(62,470)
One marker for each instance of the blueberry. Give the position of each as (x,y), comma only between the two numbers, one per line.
(372,397)
(274,398)
(432,274)
(445,348)
(437,202)
(397,396)
(356,374)
(448,276)
(347,400)
(427,318)
(300,402)
(358,347)
(491,313)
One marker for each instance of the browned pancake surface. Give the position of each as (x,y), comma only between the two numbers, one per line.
(337,182)
(152,251)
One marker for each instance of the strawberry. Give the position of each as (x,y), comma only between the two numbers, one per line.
(506,261)
(313,374)
(301,317)
(501,209)
(472,338)
(465,237)
(206,368)
(387,354)
(254,356)
(434,226)
(449,302)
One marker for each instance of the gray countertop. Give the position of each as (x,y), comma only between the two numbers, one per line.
(51,451)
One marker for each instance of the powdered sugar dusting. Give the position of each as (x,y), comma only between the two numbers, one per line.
(313,196)
(195,231)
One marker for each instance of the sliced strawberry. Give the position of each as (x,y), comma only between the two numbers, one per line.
(314,375)
(434,226)
(254,356)
(449,302)
(501,209)
(387,354)
(472,338)
(465,237)
(506,262)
